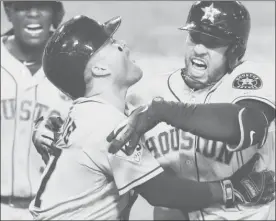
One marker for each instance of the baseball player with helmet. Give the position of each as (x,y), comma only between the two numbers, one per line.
(26,94)
(214,114)
(82,180)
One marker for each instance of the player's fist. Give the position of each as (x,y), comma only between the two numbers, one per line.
(129,131)
(251,187)
(44,134)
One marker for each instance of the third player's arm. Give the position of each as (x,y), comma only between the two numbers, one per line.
(167,190)
(225,122)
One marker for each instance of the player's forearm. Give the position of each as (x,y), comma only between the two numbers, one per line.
(229,123)
(166,190)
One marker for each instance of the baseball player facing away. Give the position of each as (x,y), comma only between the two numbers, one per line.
(26,94)
(219,110)
(82,180)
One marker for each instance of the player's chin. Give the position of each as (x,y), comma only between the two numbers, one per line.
(38,41)
(139,74)
(134,78)
(136,72)
(196,84)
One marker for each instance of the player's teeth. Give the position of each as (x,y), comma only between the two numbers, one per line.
(33,32)
(33,26)
(199,62)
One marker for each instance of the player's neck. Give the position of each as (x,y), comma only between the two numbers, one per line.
(114,96)
(24,52)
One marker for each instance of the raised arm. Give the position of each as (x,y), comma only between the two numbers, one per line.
(230,123)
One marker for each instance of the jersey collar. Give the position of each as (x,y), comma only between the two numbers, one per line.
(180,89)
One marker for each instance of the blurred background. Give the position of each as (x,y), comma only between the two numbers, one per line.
(150,28)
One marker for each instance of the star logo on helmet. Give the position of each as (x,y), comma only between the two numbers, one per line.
(210,13)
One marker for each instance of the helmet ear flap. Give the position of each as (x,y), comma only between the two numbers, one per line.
(58,16)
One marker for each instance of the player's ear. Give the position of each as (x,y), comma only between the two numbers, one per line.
(100,70)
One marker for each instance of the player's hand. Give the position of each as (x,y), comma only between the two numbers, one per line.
(251,187)
(129,131)
(44,134)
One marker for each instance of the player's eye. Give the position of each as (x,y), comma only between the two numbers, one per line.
(26,6)
(119,46)
(21,6)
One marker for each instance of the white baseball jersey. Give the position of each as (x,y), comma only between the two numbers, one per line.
(24,98)
(84,181)
(207,160)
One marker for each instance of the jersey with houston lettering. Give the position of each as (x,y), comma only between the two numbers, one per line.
(207,160)
(84,181)
(24,98)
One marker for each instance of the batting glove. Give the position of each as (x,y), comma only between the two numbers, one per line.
(130,131)
(44,134)
(249,187)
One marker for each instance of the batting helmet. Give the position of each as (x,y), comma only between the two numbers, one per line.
(69,49)
(56,5)
(228,20)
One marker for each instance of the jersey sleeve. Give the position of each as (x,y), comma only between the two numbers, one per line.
(251,81)
(254,81)
(133,169)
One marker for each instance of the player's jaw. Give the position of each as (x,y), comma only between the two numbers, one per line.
(32,23)
(135,73)
(125,67)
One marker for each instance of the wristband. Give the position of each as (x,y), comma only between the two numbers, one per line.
(228,193)
(155,109)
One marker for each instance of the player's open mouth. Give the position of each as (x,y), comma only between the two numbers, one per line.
(34,29)
(199,64)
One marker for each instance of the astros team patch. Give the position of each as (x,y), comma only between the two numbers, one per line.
(134,156)
(247,81)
